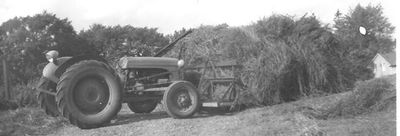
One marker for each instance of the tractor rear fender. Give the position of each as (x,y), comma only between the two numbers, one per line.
(63,67)
(49,70)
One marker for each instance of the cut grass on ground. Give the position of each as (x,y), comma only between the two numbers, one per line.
(367,110)
(32,121)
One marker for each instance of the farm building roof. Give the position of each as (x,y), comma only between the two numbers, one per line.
(390,57)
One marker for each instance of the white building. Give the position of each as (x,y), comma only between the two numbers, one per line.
(384,64)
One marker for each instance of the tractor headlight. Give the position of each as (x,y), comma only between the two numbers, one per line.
(181,63)
(52,55)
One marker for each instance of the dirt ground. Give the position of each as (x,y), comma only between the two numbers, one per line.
(280,120)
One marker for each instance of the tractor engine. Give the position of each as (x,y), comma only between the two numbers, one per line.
(140,79)
(149,72)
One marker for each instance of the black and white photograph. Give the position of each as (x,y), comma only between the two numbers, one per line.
(198,67)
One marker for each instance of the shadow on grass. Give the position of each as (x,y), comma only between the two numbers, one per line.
(209,112)
(127,118)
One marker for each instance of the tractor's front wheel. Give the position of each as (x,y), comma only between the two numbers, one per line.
(89,94)
(181,99)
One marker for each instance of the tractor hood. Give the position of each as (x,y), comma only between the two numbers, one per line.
(148,62)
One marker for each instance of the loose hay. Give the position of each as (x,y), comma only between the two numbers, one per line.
(366,97)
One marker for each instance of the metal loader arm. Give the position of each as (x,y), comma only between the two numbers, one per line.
(167,48)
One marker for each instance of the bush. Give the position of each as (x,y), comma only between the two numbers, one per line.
(25,95)
(28,121)
(7,105)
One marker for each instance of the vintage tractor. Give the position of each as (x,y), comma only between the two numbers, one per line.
(88,92)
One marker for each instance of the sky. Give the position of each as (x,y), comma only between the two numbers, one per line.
(171,15)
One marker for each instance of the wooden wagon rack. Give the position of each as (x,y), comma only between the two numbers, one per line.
(212,81)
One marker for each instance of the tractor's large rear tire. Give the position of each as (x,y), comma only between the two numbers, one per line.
(48,103)
(181,99)
(89,94)
(143,106)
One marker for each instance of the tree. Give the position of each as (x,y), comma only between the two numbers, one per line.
(24,39)
(357,49)
(114,42)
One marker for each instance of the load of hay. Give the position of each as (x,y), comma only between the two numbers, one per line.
(283,58)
